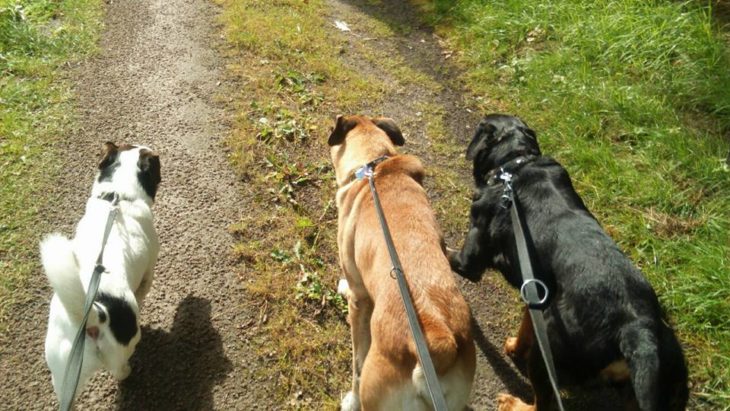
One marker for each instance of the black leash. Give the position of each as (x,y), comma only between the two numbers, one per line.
(434,388)
(530,284)
(76,357)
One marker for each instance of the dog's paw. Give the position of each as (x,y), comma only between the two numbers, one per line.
(510,347)
(343,288)
(122,372)
(351,402)
(506,402)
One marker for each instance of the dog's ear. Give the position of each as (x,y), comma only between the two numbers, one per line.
(149,172)
(529,132)
(342,127)
(109,154)
(484,132)
(391,129)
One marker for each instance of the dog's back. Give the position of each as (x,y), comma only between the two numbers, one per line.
(443,312)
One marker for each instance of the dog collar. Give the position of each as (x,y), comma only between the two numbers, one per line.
(505,172)
(111,196)
(367,170)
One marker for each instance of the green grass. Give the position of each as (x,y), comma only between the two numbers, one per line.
(36,38)
(287,246)
(633,97)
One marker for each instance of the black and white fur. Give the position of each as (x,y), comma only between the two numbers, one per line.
(112,331)
(604,319)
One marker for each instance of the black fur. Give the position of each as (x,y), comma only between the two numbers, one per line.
(122,320)
(603,309)
(149,172)
(109,163)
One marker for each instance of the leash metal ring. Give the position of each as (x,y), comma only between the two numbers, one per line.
(539,284)
(393,272)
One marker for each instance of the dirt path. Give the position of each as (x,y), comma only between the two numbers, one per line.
(154,83)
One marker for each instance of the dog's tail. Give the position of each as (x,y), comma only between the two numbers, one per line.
(673,382)
(62,269)
(453,377)
(441,344)
(639,345)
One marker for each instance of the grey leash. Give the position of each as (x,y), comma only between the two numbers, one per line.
(76,357)
(529,288)
(434,388)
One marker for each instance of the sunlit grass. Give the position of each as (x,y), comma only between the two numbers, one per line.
(36,38)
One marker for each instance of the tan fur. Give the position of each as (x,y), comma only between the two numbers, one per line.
(617,371)
(506,402)
(384,355)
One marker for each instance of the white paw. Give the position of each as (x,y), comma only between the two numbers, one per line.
(123,372)
(351,402)
(343,288)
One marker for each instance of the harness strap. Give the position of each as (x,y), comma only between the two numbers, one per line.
(434,388)
(529,290)
(76,356)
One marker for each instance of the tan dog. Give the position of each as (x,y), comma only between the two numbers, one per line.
(386,373)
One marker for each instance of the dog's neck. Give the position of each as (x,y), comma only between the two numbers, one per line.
(512,165)
(352,177)
(107,191)
(362,171)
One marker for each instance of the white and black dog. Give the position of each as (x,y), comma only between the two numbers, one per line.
(131,174)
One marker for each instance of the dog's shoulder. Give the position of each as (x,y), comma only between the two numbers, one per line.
(407,164)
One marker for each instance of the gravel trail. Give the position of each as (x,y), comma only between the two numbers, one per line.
(155,82)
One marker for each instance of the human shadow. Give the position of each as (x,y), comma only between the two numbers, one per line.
(511,379)
(176,370)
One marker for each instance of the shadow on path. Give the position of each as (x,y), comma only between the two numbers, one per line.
(502,369)
(177,370)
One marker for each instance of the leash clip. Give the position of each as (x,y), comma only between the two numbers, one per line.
(112,197)
(364,172)
(506,197)
(539,284)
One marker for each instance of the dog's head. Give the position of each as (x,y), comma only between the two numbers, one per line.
(498,139)
(357,140)
(131,171)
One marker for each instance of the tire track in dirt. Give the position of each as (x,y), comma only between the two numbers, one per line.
(154,82)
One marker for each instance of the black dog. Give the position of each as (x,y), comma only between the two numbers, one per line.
(603,318)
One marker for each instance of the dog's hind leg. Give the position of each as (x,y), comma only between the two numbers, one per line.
(360,311)
(519,347)
(540,382)
(144,287)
